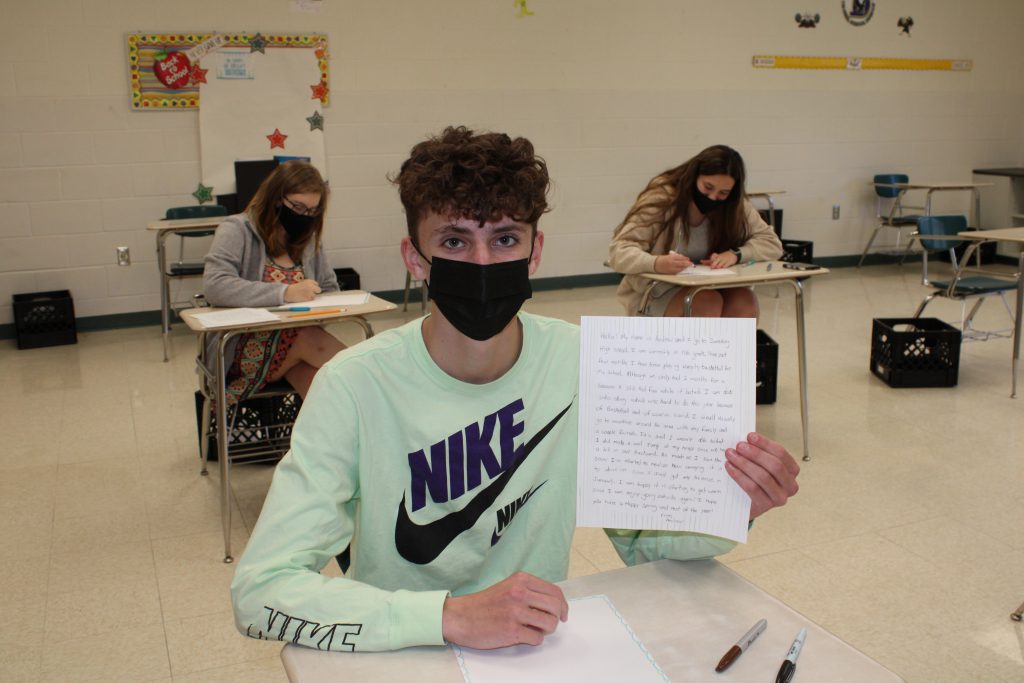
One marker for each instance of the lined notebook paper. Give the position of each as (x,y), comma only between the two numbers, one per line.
(660,401)
(231,317)
(700,269)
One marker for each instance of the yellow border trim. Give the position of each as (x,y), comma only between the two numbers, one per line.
(158,99)
(861,63)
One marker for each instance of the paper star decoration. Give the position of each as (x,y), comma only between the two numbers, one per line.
(258,44)
(277,139)
(203,194)
(316,122)
(319,91)
(524,11)
(197,75)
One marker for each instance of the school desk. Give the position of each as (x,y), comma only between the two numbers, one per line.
(687,615)
(286,319)
(754,275)
(163,230)
(768,196)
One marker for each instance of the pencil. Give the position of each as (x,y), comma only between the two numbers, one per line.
(306,315)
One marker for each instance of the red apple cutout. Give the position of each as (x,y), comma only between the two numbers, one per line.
(172,69)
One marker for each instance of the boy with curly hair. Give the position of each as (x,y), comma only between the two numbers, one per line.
(444,450)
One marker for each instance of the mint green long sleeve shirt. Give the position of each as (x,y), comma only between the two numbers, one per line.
(441,487)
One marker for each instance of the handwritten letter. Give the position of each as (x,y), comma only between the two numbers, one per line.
(660,401)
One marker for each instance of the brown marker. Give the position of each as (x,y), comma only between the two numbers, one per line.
(742,644)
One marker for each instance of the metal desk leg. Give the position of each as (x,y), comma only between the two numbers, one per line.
(1017,322)
(165,315)
(222,446)
(801,352)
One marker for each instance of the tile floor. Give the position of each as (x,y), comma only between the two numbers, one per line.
(906,540)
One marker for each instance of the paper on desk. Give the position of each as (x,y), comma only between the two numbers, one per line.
(230,317)
(353,298)
(699,269)
(660,401)
(596,644)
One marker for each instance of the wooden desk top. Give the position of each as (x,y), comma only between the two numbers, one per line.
(998,234)
(186,223)
(373,305)
(687,614)
(745,275)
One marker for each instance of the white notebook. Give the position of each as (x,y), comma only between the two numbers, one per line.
(596,644)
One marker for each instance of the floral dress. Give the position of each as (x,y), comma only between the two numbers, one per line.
(260,354)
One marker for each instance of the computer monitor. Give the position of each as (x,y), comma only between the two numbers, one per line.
(248,176)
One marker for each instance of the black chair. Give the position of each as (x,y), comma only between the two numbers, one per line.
(182,268)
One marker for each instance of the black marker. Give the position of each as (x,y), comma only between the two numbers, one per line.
(789,666)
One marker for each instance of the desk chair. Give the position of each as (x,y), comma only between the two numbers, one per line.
(259,428)
(889,211)
(182,268)
(938,233)
(423,293)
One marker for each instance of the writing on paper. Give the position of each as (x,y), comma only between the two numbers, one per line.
(660,401)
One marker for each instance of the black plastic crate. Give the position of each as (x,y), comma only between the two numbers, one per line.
(797,251)
(45,319)
(915,352)
(348,278)
(767,368)
(263,424)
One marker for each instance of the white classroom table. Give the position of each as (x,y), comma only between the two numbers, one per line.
(355,314)
(761,273)
(1012,236)
(687,614)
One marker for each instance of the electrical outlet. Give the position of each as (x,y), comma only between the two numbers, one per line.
(124,257)
(835,212)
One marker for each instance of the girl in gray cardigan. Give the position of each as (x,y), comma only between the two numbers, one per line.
(268,256)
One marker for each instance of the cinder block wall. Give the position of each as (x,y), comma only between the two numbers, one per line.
(610,92)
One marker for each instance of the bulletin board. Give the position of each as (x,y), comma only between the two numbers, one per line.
(166,69)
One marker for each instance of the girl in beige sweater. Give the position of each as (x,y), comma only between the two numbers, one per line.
(694,213)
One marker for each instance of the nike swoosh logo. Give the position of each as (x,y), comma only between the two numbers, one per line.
(422,543)
(495,536)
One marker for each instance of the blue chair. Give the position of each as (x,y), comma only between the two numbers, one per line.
(889,209)
(939,233)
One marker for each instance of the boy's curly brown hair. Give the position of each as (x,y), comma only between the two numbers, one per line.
(483,176)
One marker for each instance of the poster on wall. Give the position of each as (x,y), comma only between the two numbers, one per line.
(260,105)
(166,69)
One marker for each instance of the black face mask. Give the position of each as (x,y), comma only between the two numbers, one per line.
(706,204)
(295,224)
(479,300)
